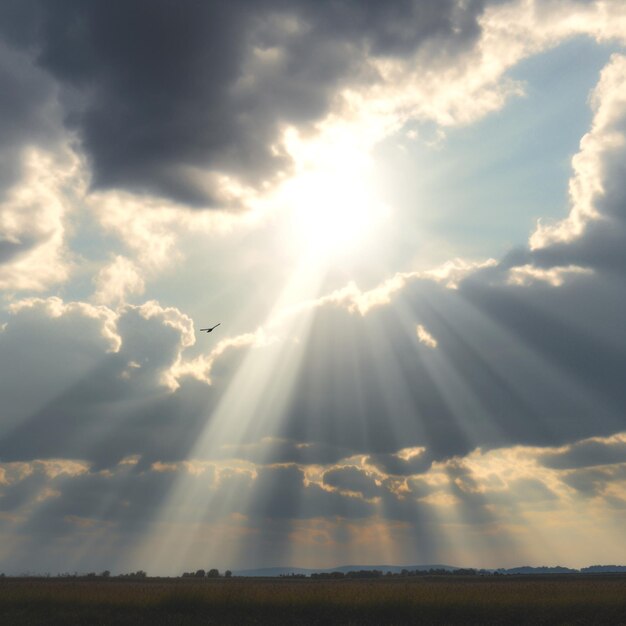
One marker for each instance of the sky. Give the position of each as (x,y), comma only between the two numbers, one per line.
(409,219)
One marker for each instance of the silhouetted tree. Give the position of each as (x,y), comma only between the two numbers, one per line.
(213,573)
(138,574)
(227,574)
(365,573)
(200,573)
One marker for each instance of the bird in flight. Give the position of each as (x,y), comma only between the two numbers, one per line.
(208,330)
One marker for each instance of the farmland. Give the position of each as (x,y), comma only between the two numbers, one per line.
(572,599)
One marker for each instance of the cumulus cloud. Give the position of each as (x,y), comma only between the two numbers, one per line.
(33,217)
(40,175)
(356,300)
(117,280)
(201,367)
(601,145)
(115,383)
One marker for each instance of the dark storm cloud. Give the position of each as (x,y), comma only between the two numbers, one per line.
(158,90)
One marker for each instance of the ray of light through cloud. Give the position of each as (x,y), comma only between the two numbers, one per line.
(413,241)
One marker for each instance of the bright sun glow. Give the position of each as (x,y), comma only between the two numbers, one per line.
(331,203)
(331,213)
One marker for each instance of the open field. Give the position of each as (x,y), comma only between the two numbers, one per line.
(573,599)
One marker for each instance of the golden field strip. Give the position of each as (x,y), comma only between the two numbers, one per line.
(570,599)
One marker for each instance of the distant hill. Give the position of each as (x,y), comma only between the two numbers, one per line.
(286,571)
(527,569)
(601,569)
(397,569)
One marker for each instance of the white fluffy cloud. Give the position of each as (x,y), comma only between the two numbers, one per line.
(117,280)
(34,218)
(604,142)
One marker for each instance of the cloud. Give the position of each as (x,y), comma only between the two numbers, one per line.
(39,175)
(405,462)
(588,453)
(517,341)
(425,337)
(203,367)
(128,87)
(555,276)
(599,484)
(149,124)
(506,499)
(604,142)
(33,215)
(355,300)
(117,280)
(29,111)
(112,398)
(515,411)
(352,479)
(507,370)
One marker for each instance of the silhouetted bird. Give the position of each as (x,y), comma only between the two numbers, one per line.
(208,330)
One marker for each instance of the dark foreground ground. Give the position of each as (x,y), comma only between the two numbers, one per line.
(572,599)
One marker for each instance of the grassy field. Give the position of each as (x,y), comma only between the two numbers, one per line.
(574,599)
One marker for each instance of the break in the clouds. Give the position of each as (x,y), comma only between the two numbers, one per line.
(374,393)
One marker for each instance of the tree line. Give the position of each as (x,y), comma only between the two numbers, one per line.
(212,573)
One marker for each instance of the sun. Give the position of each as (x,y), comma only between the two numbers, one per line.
(331,213)
(331,206)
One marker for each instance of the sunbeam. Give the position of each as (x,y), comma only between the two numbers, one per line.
(404,223)
(250,408)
